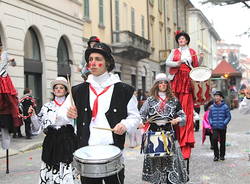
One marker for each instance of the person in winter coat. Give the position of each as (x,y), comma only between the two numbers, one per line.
(206,127)
(219,116)
(244,107)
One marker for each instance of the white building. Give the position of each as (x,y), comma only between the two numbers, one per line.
(204,37)
(45,38)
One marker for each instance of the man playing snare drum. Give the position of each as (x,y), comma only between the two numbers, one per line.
(103,101)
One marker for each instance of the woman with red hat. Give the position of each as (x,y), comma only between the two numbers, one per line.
(180,62)
(85,70)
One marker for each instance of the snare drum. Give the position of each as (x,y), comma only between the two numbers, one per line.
(201,84)
(98,161)
(157,143)
(200,74)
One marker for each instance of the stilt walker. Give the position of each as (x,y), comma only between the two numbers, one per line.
(8,104)
(180,62)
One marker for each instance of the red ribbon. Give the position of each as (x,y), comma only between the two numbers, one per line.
(163,102)
(95,106)
(58,103)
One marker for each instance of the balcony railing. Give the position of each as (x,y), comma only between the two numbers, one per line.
(129,45)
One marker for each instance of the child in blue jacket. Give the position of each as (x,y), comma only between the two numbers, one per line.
(219,117)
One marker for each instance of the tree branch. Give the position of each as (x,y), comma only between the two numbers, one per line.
(226,2)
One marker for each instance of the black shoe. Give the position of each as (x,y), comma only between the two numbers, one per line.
(14,136)
(222,158)
(20,136)
(212,148)
(28,137)
(216,159)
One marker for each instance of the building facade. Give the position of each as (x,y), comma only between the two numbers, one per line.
(45,38)
(141,34)
(204,38)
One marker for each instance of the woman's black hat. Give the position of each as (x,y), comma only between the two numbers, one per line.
(182,33)
(104,50)
(93,39)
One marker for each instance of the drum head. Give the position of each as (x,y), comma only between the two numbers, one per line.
(200,73)
(100,153)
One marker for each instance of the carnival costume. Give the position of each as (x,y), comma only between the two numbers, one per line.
(59,142)
(103,101)
(8,103)
(164,168)
(182,88)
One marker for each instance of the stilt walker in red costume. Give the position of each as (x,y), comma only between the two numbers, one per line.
(180,62)
(8,103)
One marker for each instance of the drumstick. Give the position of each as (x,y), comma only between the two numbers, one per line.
(70,92)
(100,128)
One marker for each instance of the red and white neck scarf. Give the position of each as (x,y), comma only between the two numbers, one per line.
(95,106)
(59,100)
(163,103)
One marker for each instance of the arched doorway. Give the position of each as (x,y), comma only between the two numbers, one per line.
(33,67)
(63,61)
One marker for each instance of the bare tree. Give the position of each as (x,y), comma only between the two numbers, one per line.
(230,2)
(226,2)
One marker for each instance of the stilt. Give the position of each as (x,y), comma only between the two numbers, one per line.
(7,161)
(188,166)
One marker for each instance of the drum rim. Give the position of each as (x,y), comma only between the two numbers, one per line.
(196,68)
(96,161)
(101,175)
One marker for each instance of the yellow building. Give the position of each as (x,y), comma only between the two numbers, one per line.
(123,25)
(141,34)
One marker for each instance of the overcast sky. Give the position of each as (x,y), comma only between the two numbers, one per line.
(229,21)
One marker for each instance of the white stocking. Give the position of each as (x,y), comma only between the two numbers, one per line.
(5,138)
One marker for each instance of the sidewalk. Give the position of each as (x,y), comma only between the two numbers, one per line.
(20,145)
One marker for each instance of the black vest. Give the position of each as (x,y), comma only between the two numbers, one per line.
(117,111)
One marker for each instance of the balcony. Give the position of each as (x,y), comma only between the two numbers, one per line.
(129,45)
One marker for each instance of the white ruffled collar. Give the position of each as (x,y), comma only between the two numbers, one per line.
(103,80)
(60,100)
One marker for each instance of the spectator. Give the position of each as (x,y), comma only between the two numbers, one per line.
(245,104)
(206,127)
(26,101)
(219,116)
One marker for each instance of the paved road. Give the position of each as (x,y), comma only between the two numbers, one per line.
(234,170)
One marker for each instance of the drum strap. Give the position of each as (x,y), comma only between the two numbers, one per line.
(95,106)
(165,142)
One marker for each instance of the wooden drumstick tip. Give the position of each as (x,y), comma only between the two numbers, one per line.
(70,92)
(108,129)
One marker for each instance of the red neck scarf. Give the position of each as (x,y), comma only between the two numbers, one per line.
(95,106)
(163,102)
(56,102)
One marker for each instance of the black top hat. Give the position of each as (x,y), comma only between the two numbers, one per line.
(104,50)
(219,93)
(182,33)
(93,39)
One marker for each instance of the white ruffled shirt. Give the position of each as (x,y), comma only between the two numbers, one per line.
(185,56)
